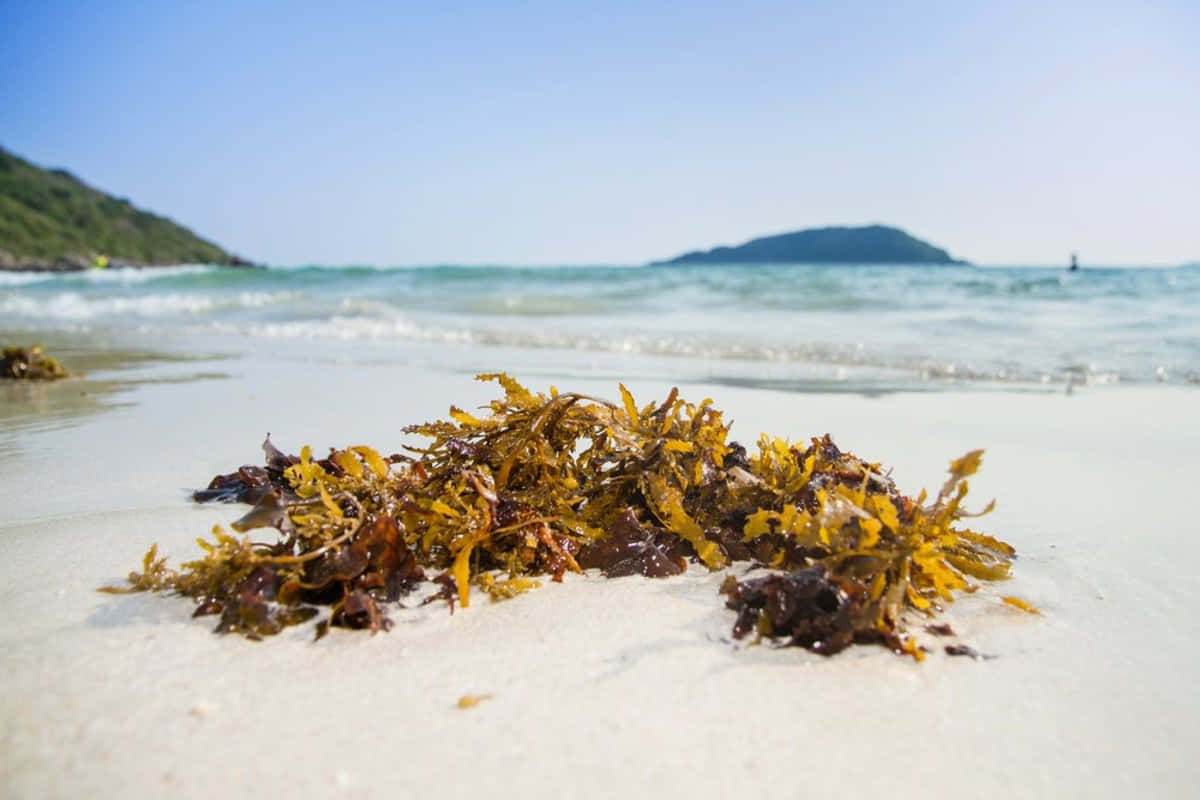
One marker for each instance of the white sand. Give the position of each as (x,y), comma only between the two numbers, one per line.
(604,688)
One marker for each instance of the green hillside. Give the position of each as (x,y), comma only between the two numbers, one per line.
(49,219)
(871,244)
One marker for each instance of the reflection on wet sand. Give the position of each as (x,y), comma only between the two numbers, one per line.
(100,375)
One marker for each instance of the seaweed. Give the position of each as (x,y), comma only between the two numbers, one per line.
(630,548)
(966,650)
(30,364)
(811,607)
(1017,602)
(471,700)
(546,483)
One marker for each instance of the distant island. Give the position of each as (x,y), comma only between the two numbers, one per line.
(870,244)
(50,220)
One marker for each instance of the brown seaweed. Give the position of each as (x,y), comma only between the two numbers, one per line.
(248,484)
(810,607)
(545,483)
(965,650)
(633,549)
(30,364)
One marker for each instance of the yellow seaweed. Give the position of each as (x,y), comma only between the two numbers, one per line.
(535,480)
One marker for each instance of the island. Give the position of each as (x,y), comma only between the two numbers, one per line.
(870,244)
(51,220)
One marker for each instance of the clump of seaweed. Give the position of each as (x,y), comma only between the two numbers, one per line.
(556,482)
(30,364)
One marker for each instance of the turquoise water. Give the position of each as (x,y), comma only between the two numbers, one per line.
(785,326)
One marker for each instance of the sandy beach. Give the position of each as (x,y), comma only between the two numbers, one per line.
(596,688)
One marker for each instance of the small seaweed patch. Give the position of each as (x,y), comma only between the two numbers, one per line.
(30,364)
(544,484)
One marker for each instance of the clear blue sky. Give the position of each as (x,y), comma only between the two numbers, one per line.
(612,132)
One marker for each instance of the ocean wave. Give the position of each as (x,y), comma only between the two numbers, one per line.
(945,325)
(136,275)
(24,278)
(74,306)
(124,276)
(839,361)
(334,328)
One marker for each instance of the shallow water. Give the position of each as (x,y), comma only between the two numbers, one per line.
(857,328)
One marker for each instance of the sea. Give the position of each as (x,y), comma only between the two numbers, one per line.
(848,328)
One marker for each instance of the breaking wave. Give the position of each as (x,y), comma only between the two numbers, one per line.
(75,306)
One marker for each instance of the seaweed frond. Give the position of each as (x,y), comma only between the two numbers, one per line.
(539,484)
(30,364)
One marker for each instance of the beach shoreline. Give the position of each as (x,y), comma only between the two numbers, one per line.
(598,687)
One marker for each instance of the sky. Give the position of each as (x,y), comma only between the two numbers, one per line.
(613,132)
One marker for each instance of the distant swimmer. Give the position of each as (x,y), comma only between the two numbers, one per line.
(1074,263)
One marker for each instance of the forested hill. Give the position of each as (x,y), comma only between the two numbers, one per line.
(49,219)
(872,244)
